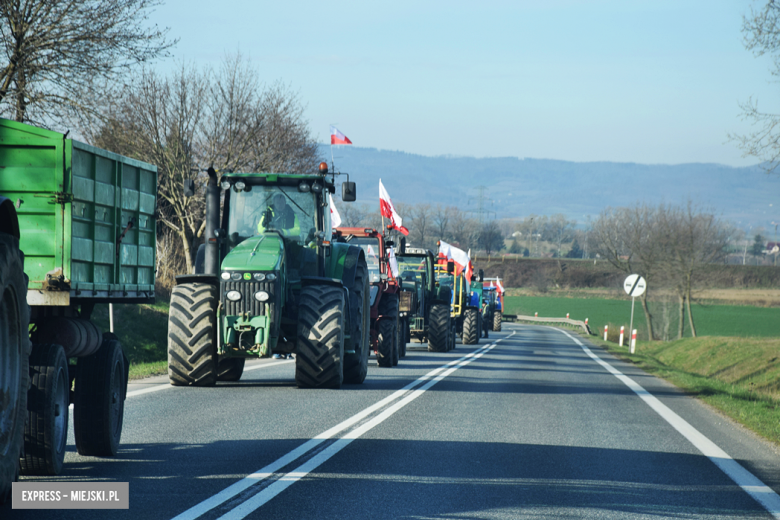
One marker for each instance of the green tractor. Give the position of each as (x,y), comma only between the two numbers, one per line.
(269,281)
(426,305)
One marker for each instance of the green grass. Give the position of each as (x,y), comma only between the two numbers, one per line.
(710,320)
(738,376)
(143,332)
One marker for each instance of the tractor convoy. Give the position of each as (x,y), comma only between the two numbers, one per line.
(78,229)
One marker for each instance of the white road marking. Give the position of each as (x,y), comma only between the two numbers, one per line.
(290,478)
(762,493)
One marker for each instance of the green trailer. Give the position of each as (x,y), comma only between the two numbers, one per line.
(84,219)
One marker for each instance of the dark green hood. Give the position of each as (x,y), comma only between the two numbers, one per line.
(260,253)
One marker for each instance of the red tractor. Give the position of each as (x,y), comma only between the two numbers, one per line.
(387,338)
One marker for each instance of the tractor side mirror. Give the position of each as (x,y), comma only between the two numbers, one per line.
(189,187)
(348,191)
(450,267)
(403,245)
(481,275)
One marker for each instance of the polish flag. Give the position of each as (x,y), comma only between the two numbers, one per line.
(336,137)
(335,218)
(387,210)
(499,287)
(458,256)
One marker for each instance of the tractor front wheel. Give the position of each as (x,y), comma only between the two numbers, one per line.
(192,320)
(497,321)
(319,362)
(356,365)
(387,349)
(439,328)
(471,327)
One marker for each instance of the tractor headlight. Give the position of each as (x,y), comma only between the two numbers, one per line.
(225,275)
(225,185)
(270,277)
(261,296)
(304,187)
(259,277)
(233,296)
(239,185)
(316,187)
(236,276)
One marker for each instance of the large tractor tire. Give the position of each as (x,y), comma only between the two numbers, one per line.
(46,432)
(99,400)
(403,336)
(319,362)
(192,326)
(439,328)
(14,357)
(471,327)
(356,365)
(230,369)
(387,347)
(497,321)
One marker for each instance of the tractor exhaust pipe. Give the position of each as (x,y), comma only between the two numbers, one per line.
(211,264)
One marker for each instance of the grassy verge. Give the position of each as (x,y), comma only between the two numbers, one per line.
(738,376)
(711,320)
(143,332)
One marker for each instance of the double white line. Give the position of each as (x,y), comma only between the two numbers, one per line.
(385,407)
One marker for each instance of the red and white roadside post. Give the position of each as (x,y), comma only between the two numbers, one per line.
(606,329)
(567,315)
(622,329)
(536,315)
(633,341)
(586,321)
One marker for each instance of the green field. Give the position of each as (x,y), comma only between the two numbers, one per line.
(710,320)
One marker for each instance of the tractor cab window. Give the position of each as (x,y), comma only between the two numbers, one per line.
(273,208)
(370,247)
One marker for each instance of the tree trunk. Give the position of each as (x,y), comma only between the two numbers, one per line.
(681,321)
(648,317)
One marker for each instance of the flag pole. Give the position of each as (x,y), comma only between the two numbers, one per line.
(332,165)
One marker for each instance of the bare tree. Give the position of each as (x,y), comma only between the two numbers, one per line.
(761,29)
(463,230)
(490,237)
(195,119)
(60,55)
(440,220)
(421,222)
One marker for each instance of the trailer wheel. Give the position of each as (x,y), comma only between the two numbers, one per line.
(319,362)
(497,321)
(192,353)
(387,348)
(439,328)
(99,400)
(356,365)
(471,327)
(230,369)
(14,357)
(48,398)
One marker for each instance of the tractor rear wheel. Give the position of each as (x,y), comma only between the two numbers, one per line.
(387,348)
(192,319)
(356,365)
(48,399)
(14,358)
(99,400)
(230,369)
(319,362)
(497,321)
(471,327)
(439,328)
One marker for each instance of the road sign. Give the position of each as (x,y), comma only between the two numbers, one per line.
(634,285)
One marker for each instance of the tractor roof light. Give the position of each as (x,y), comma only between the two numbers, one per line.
(239,186)
(316,187)
(323,168)
(304,187)
(225,184)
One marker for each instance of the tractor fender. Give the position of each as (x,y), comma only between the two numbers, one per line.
(343,262)
(443,295)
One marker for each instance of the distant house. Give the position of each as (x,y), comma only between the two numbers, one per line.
(772,248)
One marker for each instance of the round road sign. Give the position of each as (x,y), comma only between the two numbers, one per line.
(634,285)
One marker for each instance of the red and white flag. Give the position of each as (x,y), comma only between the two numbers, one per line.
(393,262)
(458,256)
(335,218)
(387,210)
(336,137)
(499,287)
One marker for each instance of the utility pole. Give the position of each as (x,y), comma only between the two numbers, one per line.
(482,201)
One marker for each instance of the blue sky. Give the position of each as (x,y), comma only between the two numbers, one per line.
(631,81)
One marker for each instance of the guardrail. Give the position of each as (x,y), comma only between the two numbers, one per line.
(535,319)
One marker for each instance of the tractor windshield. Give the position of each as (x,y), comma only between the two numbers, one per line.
(370,247)
(271,207)
(411,268)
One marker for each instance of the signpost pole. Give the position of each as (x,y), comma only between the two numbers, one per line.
(631,326)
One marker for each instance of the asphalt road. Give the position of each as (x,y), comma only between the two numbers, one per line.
(535,423)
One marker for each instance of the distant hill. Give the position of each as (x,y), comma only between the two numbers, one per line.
(519,187)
